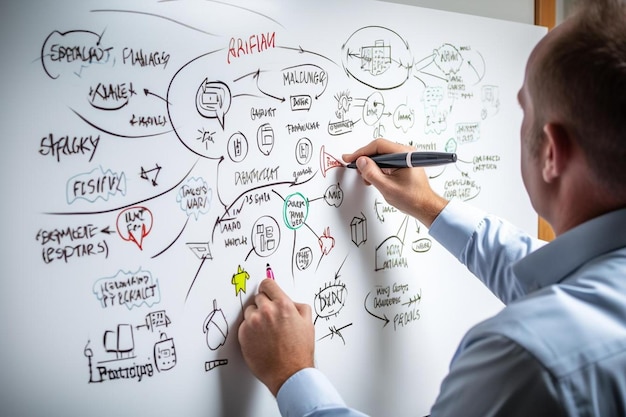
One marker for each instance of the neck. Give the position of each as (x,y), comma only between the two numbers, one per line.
(585,204)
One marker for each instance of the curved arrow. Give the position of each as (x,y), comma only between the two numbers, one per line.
(148,92)
(384,318)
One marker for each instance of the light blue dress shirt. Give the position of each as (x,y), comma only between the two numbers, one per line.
(557,349)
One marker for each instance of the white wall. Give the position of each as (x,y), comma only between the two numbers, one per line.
(563,9)
(514,10)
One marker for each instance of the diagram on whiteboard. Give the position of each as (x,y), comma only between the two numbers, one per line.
(196,162)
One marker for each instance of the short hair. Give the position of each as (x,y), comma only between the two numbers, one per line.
(582,78)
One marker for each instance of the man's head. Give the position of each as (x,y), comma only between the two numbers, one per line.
(574,127)
(577,77)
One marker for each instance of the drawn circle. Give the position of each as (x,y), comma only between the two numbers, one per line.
(373,109)
(450,145)
(304,150)
(237,147)
(304,258)
(265,138)
(295,211)
(265,236)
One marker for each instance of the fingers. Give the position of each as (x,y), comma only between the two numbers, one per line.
(376,147)
(268,290)
(271,293)
(304,310)
(271,289)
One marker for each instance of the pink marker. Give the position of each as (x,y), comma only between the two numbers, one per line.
(268,272)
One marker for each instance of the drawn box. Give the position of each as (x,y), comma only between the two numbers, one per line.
(358,228)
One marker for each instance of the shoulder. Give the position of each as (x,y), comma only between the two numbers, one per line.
(496,376)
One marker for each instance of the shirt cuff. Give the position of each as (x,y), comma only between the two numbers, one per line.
(455,225)
(305,391)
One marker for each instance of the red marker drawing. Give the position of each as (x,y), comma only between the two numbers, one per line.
(268,272)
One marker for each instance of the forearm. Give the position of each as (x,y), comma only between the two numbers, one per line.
(486,245)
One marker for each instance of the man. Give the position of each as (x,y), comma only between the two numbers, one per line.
(559,346)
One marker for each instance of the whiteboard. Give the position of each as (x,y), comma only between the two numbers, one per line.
(162,158)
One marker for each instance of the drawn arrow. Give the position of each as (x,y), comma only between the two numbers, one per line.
(150,93)
(337,275)
(107,231)
(384,318)
(256,76)
(227,208)
(480,76)
(380,216)
(304,51)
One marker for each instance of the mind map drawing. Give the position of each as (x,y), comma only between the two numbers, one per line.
(186,150)
(244,111)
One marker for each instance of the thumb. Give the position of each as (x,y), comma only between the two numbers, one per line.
(370,172)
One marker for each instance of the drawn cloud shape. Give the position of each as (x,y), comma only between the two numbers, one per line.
(127,288)
(195,197)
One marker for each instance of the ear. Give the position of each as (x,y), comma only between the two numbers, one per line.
(556,152)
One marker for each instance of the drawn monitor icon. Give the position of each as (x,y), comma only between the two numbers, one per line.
(265,138)
(211,98)
(267,135)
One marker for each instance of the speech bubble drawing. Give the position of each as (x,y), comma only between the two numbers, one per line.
(404,118)
(95,184)
(334,195)
(295,211)
(72,51)
(451,145)
(448,59)
(265,138)
(373,108)
(304,258)
(134,224)
(213,100)
(195,197)
(129,289)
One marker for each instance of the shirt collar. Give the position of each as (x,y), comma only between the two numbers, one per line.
(553,262)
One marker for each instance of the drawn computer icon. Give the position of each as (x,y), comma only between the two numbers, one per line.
(213,100)
(265,138)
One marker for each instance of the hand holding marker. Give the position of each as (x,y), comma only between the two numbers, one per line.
(410,159)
